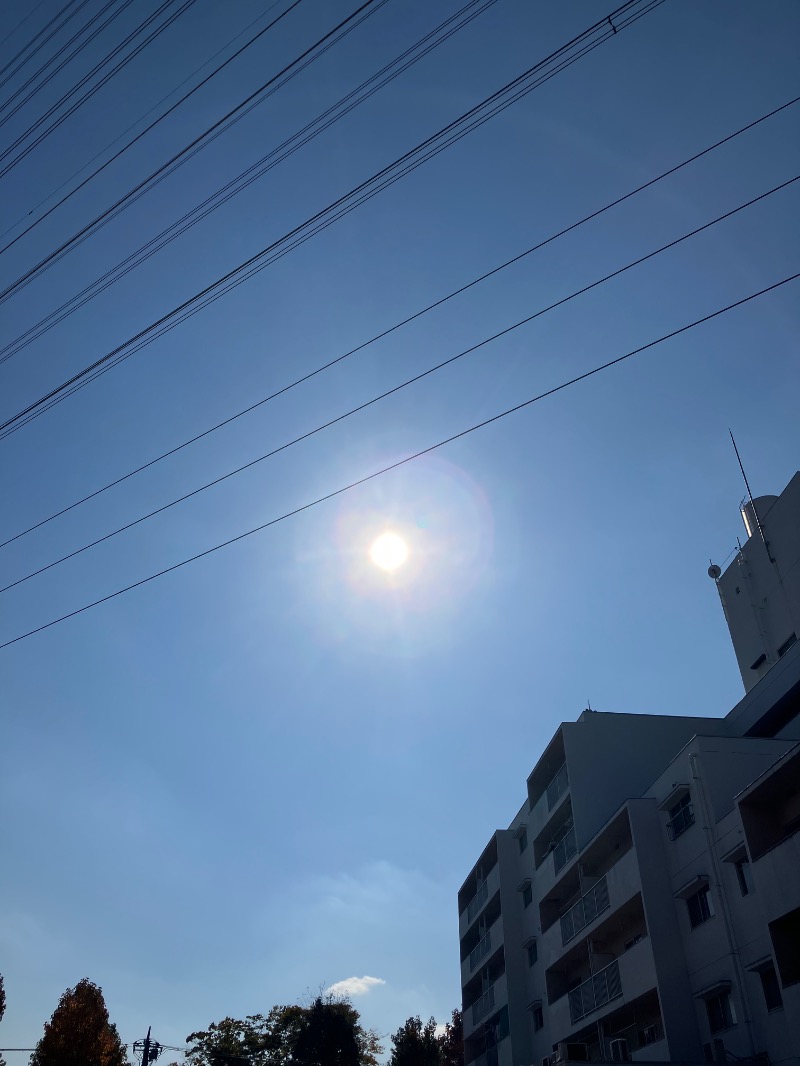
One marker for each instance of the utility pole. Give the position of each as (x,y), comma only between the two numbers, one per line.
(150,1049)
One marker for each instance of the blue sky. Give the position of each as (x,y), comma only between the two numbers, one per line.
(273,768)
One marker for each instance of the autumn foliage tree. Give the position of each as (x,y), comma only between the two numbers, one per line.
(79,1033)
(451,1042)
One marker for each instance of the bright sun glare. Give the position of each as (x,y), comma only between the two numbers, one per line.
(388,551)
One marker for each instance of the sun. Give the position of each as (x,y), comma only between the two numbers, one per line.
(388,551)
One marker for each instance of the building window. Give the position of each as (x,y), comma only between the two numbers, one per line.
(527,895)
(522,840)
(721,1014)
(533,952)
(538,1017)
(700,907)
(744,876)
(681,816)
(771,987)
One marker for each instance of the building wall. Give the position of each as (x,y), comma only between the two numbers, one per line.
(760,590)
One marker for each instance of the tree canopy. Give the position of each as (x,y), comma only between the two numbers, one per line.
(451,1042)
(79,1032)
(326,1033)
(417,1044)
(2,1010)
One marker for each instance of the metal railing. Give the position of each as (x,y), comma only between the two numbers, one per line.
(600,989)
(564,850)
(488,1058)
(681,822)
(585,910)
(557,787)
(477,901)
(482,1006)
(480,951)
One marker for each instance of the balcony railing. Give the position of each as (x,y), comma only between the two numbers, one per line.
(585,910)
(482,1006)
(477,902)
(557,787)
(480,951)
(681,822)
(596,992)
(488,1058)
(564,850)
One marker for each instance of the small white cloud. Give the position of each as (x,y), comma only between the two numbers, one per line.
(355,986)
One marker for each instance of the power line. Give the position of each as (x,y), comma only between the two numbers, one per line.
(421,48)
(21,23)
(96,87)
(405,321)
(403,462)
(63,11)
(405,384)
(385,177)
(153,124)
(186,152)
(53,73)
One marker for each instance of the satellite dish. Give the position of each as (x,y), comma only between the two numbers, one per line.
(714,572)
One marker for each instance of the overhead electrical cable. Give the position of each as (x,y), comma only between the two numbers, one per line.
(99,155)
(64,11)
(398,325)
(5,40)
(405,384)
(50,74)
(201,141)
(412,55)
(60,119)
(405,461)
(385,177)
(601,30)
(152,125)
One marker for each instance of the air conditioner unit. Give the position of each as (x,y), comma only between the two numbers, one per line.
(649,1034)
(619,1050)
(571,1052)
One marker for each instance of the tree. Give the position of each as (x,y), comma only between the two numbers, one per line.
(79,1033)
(2,1010)
(451,1042)
(415,1044)
(325,1033)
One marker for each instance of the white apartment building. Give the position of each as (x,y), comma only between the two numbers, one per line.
(644,902)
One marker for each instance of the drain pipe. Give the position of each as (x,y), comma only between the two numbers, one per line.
(744,998)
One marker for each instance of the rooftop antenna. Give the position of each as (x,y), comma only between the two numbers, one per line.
(750,498)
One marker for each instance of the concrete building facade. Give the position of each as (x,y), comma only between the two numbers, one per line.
(644,902)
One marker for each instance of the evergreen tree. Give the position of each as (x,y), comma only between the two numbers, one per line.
(415,1044)
(79,1033)
(328,1032)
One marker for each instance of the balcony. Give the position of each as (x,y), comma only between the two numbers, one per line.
(592,903)
(557,787)
(480,1010)
(486,892)
(625,977)
(477,902)
(565,850)
(480,951)
(593,994)
(482,1006)
(681,822)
